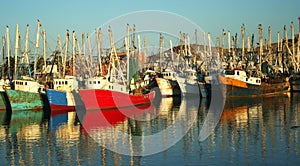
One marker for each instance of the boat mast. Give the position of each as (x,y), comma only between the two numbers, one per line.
(3,60)
(285,42)
(60,52)
(139,52)
(98,38)
(78,47)
(8,51)
(127,61)
(243,40)
(45,54)
(209,44)
(83,43)
(260,47)
(90,53)
(293,46)
(218,46)
(16,50)
(161,41)
(232,47)
(73,52)
(270,45)
(228,38)
(223,43)
(36,48)
(278,49)
(248,44)
(204,47)
(26,46)
(66,54)
(180,45)
(172,54)
(185,44)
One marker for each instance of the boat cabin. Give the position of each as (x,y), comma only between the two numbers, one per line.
(97,83)
(66,84)
(168,74)
(29,86)
(241,75)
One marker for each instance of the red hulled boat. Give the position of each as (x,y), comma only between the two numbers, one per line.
(95,99)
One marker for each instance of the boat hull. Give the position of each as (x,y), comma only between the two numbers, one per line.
(235,88)
(22,100)
(167,87)
(95,99)
(187,88)
(60,101)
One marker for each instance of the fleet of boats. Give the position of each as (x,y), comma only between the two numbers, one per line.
(125,77)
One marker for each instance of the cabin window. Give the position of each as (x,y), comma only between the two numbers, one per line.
(25,83)
(63,82)
(66,82)
(90,82)
(109,86)
(112,87)
(59,82)
(98,82)
(238,73)
(229,72)
(94,82)
(246,79)
(257,81)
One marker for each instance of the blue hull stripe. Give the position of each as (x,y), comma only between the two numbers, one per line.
(56,97)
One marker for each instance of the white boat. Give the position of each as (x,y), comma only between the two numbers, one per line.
(61,97)
(26,94)
(167,83)
(188,83)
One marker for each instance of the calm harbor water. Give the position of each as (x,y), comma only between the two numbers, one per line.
(256,131)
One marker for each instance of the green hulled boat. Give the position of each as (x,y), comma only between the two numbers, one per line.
(21,119)
(26,95)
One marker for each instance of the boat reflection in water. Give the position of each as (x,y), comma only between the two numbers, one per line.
(138,132)
(258,129)
(251,131)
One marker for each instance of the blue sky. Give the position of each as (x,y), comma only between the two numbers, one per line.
(85,15)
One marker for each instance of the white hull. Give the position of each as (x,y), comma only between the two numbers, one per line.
(164,86)
(188,88)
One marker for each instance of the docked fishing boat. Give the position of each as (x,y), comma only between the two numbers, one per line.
(101,93)
(61,97)
(167,83)
(26,94)
(188,83)
(236,83)
(113,90)
(111,99)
